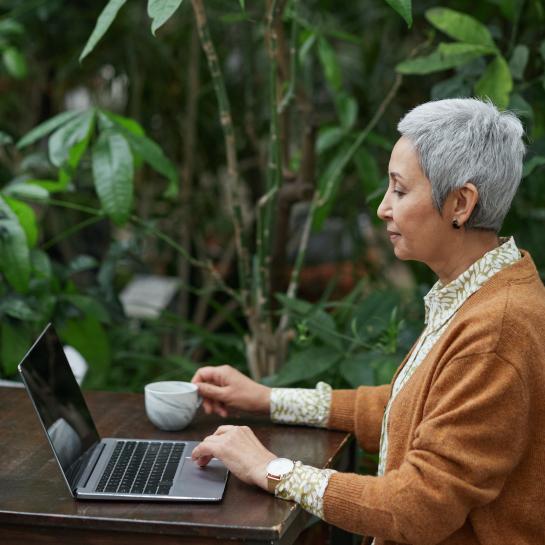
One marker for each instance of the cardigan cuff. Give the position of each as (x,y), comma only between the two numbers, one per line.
(342,410)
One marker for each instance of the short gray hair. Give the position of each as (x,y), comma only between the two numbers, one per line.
(462,140)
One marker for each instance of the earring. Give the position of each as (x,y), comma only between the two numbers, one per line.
(455,224)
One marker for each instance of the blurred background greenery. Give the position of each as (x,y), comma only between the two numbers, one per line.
(251,183)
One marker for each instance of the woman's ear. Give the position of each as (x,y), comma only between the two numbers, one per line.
(464,202)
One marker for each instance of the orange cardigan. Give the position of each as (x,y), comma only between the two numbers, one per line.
(466,434)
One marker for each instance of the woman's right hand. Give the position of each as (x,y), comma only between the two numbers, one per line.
(223,388)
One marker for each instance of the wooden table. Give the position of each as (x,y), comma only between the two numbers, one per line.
(36,506)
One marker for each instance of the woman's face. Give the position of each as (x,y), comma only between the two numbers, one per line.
(415,227)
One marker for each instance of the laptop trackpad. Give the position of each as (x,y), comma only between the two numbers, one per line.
(198,483)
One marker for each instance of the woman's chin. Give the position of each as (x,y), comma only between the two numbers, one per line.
(400,252)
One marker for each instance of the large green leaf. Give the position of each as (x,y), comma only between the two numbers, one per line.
(307,364)
(358,370)
(330,64)
(105,19)
(14,342)
(150,152)
(27,219)
(329,182)
(25,190)
(161,11)
(460,26)
(329,137)
(14,251)
(453,49)
(519,60)
(322,325)
(46,127)
(439,60)
(347,108)
(41,264)
(16,307)
(113,175)
(496,82)
(403,7)
(71,134)
(108,120)
(15,62)
(368,171)
(11,27)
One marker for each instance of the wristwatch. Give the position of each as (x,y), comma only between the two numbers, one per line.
(277,469)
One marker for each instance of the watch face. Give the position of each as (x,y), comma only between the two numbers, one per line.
(280,466)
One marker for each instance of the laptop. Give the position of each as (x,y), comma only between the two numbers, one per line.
(98,468)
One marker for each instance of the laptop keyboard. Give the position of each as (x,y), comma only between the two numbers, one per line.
(141,467)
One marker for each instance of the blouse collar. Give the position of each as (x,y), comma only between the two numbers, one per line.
(441,302)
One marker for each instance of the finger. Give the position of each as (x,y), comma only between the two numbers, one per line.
(222,430)
(216,393)
(208,406)
(219,409)
(207,374)
(206,447)
(203,461)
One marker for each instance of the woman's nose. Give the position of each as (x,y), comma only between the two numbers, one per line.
(384,211)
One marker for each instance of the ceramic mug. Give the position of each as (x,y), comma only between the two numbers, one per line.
(171,404)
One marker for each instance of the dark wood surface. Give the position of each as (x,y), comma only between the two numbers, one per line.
(36,506)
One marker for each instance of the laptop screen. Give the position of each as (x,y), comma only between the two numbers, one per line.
(59,403)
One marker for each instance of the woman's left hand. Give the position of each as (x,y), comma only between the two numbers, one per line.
(240,450)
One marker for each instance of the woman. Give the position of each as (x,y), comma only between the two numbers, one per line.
(460,431)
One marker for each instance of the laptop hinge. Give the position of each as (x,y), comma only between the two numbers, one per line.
(92,455)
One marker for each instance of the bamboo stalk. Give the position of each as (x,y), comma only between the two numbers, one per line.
(274,161)
(294,34)
(230,149)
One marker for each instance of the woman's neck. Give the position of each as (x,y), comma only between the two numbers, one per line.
(468,247)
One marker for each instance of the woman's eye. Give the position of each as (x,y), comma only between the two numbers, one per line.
(398,192)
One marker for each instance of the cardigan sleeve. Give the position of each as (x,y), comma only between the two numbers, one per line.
(360,412)
(471,436)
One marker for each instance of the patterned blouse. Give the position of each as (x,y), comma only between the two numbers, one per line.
(305,484)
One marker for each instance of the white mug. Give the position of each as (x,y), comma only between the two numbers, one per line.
(171,404)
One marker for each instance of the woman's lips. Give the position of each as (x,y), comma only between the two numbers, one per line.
(393,235)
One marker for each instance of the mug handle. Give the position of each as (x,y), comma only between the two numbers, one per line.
(199,400)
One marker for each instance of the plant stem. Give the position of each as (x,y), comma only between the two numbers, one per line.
(71,230)
(206,265)
(294,34)
(230,149)
(359,140)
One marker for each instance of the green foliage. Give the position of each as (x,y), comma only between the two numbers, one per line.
(359,341)
(460,26)
(104,21)
(118,144)
(113,174)
(161,11)
(496,82)
(404,8)
(14,250)
(474,41)
(75,171)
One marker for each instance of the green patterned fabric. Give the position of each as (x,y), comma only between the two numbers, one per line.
(306,485)
(301,406)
